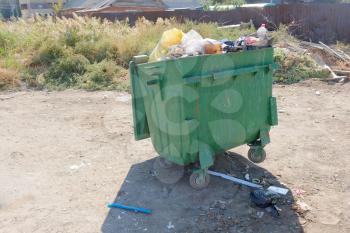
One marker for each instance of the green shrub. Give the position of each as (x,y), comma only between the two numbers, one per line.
(65,72)
(7,42)
(104,75)
(71,36)
(295,67)
(95,51)
(48,53)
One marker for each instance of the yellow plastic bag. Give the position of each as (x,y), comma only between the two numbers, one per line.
(169,38)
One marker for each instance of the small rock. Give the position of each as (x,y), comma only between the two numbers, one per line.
(77,167)
(170,225)
(222,205)
(302,221)
(318,93)
(301,207)
(16,155)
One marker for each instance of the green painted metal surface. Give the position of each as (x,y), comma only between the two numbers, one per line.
(195,107)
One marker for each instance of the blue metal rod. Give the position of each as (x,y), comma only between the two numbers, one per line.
(130,208)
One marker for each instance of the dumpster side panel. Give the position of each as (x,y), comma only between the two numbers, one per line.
(141,130)
(234,98)
(170,110)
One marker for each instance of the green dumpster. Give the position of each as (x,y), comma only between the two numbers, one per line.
(194,108)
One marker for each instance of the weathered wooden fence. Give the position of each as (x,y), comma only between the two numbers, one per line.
(325,22)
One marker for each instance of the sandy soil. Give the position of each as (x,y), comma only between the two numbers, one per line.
(65,155)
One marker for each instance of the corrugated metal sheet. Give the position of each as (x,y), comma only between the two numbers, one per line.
(325,22)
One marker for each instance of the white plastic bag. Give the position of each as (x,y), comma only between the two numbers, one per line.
(192,43)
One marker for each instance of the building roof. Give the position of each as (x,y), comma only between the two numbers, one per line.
(182,4)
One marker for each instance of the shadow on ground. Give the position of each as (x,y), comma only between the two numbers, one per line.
(221,207)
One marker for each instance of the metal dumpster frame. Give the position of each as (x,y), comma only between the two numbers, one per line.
(196,107)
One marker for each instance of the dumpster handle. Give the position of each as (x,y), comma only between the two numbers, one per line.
(236,72)
(227,73)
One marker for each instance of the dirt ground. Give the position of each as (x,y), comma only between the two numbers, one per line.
(65,155)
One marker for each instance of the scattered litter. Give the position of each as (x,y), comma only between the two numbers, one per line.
(119,217)
(331,60)
(318,93)
(246,176)
(77,167)
(267,200)
(263,199)
(298,192)
(222,204)
(256,181)
(301,207)
(329,49)
(260,214)
(170,226)
(279,190)
(272,189)
(274,210)
(130,208)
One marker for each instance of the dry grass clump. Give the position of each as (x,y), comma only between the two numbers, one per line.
(9,79)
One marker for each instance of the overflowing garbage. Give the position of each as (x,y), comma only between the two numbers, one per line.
(175,44)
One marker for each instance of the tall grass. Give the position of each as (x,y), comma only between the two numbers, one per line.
(93,54)
(84,52)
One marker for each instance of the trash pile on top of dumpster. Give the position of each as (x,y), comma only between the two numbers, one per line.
(175,44)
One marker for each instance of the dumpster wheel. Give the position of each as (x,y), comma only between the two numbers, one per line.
(166,171)
(256,154)
(164,163)
(199,180)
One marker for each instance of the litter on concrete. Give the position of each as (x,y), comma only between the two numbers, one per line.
(130,208)
(273,189)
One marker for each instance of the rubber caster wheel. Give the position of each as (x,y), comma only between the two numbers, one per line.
(199,180)
(164,163)
(257,155)
(167,172)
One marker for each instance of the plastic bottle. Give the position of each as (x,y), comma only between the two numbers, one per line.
(262,32)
